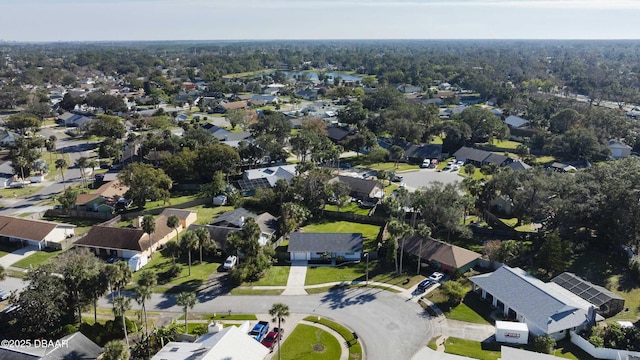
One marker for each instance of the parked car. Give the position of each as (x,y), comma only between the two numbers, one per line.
(230,262)
(434,163)
(3,295)
(436,276)
(259,330)
(425,284)
(272,338)
(460,163)
(425,163)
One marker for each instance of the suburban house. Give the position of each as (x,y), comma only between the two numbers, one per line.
(265,177)
(228,343)
(515,122)
(442,255)
(481,157)
(266,99)
(107,241)
(337,134)
(546,308)
(408,89)
(416,154)
(38,233)
(74,120)
(308,94)
(362,189)
(518,165)
(232,138)
(607,302)
(7,138)
(104,199)
(315,246)
(619,150)
(222,108)
(235,219)
(75,346)
(561,167)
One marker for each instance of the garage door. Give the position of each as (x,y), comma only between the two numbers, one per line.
(298,256)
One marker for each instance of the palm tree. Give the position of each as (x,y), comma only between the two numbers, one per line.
(3,273)
(93,164)
(279,311)
(166,333)
(172,248)
(116,350)
(61,164)
(82,162)
(143,293)
(50,144)
(149,226)
(173,222)
(120,305)
(187,300)
(189,242)
(397,229)
(204,238)
(423,232)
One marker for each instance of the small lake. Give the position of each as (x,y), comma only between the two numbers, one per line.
(313,75)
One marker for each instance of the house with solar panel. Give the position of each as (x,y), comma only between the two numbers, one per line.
(265,178)
(607,302)
(546,308)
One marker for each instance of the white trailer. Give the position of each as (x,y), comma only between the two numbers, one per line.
(512,332)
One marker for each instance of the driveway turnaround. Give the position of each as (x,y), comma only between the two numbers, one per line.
(389,327)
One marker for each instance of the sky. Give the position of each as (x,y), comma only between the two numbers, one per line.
(126,20)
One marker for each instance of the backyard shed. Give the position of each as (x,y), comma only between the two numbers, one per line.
(512,332)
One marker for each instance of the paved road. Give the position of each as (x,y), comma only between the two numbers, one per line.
(389,327)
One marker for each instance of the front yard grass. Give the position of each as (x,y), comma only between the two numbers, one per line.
(176,198)
(472,308)
(274,276)
(369,232)
(357,272)
(20,193)
(36,259)
(502,144)
(160,264)
(310,343)
(390,166)
(3,253)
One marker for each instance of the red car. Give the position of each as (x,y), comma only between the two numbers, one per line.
(271,339)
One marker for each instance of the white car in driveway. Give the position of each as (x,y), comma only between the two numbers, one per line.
(436,276)
(231,261)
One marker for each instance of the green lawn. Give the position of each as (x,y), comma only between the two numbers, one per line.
(355,350)
(206,212)
(545,159)
(310,343)
(215,316)
(351,207)
(176,198)
(36,259)
(183,282)
(437,140)
(249,291)
(390,166)
(502,144)
(274,276)
(477,174)
(352,272)
(369,232)
(3,253)
(20,193)
(247,73)
(469,348)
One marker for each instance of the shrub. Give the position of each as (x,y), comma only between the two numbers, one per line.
(544,344)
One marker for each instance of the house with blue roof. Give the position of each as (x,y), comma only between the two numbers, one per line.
(546,308)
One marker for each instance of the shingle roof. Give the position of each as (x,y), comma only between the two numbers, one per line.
(515,121)
(218,234)
(450,255)
(234,217)
(425,151)
(268,223)
(82,199)
(518,165)
(361,186)
(497,159)
(115,238)
(544,306)
(232,135)
(27,229)
(77,347)
(325,242)
(336,134)
(179,213)
(112,189)
(471,154)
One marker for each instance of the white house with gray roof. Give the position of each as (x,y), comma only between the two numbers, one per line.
(313,246)
(546,308)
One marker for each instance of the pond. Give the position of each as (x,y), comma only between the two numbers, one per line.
(313,75)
